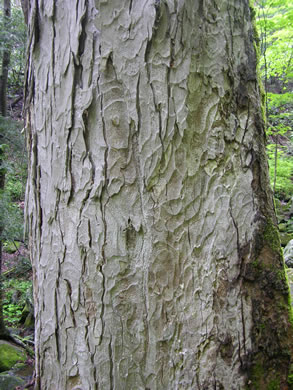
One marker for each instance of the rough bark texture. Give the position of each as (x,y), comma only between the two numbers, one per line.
(156,259)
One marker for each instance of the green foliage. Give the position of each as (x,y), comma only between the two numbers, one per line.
(15,188)
(275,22)
(13,166)
(11,246)
(10,134)
(279,100)
(284,183)
(15,295)
(12,314)
(11,219)
(274,384)
(13,37)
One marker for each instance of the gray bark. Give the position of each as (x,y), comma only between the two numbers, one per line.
(150,216)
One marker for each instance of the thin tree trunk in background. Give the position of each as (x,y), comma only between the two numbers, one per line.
(2,325)
(5,60)
(275,163)
(156,257)
(25,9)
(3,330)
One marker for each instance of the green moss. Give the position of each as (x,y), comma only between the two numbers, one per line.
(290,377)
(9,355)
(10,382)
(257,264)
(290,308)
(261,326)
(257,268)
(258,379)
(257,375)
(274,385)
(271,236)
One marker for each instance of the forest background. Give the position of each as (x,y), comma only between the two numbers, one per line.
(274,29)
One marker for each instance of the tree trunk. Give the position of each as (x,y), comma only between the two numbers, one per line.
(156,258)
(5,60)
(3,330)
(275,163)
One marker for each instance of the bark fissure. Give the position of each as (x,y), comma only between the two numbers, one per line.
(111,365)
(231,40)
(239,251)
(57,325)
(103,202)
(130,6)
(147,240)
(243,326)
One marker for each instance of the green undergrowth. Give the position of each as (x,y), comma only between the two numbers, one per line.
(284,171)
(16,294)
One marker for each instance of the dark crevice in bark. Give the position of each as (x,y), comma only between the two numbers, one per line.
(57,326)
(90,233)
(86,135)
(100,269)
(247,122)
(231,31)
(141,189)
(243,325)
(39,203)
(103,203)
(36,176)
(138,105)
(69,294)
(111,362)
(81,46)
(239,351)
(36,24)
(239,251)
(68,168)
(130,6)
(53,49)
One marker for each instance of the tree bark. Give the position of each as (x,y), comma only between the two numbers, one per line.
(25,9)
(5,60)
(3,330)
(156,257)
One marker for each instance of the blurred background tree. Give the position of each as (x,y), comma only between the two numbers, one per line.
(275,27)
(12,56)
(12,148)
